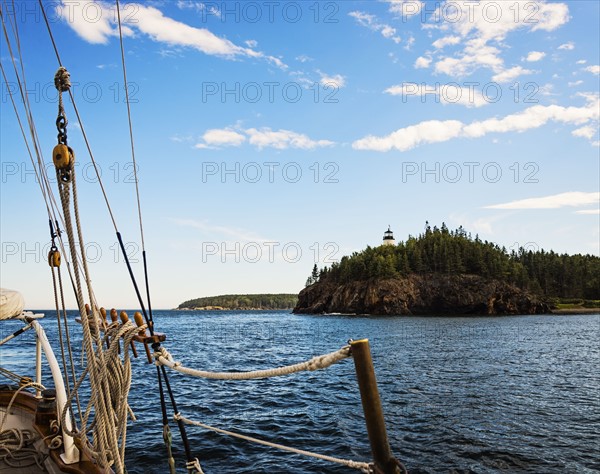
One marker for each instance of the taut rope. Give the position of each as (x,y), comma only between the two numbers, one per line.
(362,466)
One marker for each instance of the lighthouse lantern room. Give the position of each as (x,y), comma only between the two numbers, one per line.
(388,237)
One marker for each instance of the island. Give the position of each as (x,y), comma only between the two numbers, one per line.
(277,301)
(445,272)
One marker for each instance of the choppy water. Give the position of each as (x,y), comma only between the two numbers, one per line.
(461,395)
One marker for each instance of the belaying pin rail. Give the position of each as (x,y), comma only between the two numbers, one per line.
(145,337)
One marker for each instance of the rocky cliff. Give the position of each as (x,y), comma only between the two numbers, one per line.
(420,294)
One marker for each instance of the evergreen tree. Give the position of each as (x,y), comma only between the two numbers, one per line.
(455,252)
(315,274)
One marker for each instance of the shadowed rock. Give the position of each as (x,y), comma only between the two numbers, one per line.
(420,294)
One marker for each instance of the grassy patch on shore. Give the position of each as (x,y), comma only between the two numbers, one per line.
(575,303)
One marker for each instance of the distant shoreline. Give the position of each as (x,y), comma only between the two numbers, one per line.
(247,302)
(221,308)
(554,312)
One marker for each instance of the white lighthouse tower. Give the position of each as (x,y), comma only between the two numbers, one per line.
(388,237)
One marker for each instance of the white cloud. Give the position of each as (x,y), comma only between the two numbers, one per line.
(581,61)
(79,16)
(444,93)
(431,131)
(535,56)
(182,138)
(593,69)
(151,22)
(405,8)
(301,78)
(587,131)
(260,138)
(336,80)
(533,117)
(576,83)
(446,41)
(422,62)
(303,58)
(492,21)
(555,201)
(223,137)
(547,90)
(434,131)
(389,32)
(480,225)
(509,75)
(162,29)
(283,139)
(236,233)
(593,212)
(567,46)
(364,19)
(199,7)
(485,22)
(471,58)
(370,21)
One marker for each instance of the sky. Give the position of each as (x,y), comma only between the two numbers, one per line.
(273,136)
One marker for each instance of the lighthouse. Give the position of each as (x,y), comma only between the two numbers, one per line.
(388,237)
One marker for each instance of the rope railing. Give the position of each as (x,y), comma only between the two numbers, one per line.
(362,466)
(163,357)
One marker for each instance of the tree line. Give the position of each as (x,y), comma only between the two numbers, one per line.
(263,301)
(440,250)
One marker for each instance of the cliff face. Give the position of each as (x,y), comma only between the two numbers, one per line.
(420,294)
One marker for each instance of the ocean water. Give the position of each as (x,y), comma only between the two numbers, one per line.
(517,394)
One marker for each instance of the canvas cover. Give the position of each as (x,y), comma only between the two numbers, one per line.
(11,304)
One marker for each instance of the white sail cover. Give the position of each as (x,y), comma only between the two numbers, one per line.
(11,304)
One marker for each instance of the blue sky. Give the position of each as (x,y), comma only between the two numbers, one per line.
(271,136)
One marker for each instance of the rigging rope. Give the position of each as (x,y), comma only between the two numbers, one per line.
(12,375)
(106,438)
(44,186)
(95,372)
(148,316)
(126,84)
(180,424)
(163,357)
(96,170)
(192,464)
(118,383)
(167,436)
(84,134)
(59,309)
(59,326)
(16,333)
(40,170)
(363,466)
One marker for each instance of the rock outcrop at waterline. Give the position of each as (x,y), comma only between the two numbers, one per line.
(420,294)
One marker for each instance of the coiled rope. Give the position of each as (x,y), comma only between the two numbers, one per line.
(14,443)
(118,379)
(163,357)
(17,450)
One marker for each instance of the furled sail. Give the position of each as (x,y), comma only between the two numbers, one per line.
(11,304)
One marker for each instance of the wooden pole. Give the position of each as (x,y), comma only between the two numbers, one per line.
(369,394)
